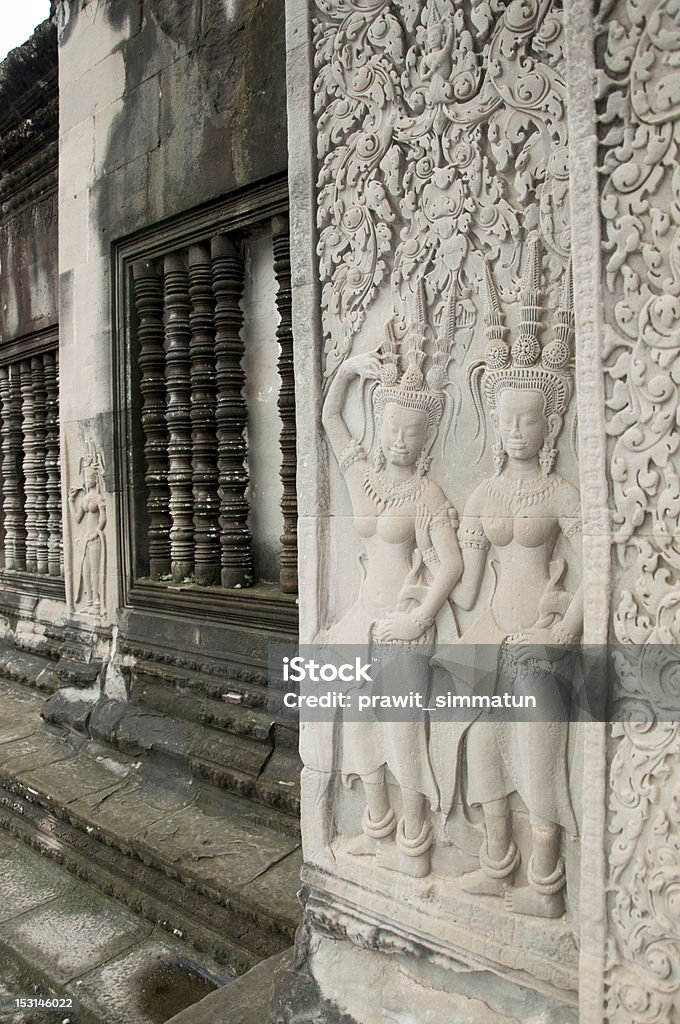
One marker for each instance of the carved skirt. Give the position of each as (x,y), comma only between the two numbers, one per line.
(529,758)
(368,747)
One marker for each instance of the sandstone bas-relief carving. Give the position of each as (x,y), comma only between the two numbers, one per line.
(404,591)
(516,516)
(520,512)
(442,139)
(88,511)
(640,118)
(442,145)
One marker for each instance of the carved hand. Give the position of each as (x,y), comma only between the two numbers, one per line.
(402,626)
(366,364)
(538,644)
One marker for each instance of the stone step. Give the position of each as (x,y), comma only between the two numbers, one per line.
(262,770)
(247,692)
(246,1000)
(60,938)
(200,863)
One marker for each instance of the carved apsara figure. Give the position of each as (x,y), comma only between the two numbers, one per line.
(89,508)
(400,598)
(517,517)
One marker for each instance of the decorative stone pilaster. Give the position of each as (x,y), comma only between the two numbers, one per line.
(431,142)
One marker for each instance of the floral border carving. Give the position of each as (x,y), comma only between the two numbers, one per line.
(640,130)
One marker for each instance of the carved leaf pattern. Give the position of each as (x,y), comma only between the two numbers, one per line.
(441,142)
(639,104)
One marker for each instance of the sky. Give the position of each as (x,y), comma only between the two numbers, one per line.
(18,18)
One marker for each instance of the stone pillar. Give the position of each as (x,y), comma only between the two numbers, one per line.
(450,283)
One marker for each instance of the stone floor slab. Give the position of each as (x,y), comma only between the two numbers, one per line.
(216,847)
(18,727)
(146,984)
(276,888)
(72,934)
(246,1000)
(33,751)
(129,810)
(27,880)
(73,779)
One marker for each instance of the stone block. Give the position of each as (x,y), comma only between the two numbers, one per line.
(72,934)
(27,880)
(75,227)
(99,85)
(144,984)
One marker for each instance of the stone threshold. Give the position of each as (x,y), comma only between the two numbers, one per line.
(201,865)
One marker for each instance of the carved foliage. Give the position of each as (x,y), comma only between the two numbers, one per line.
(639,114)
(441,139)
(641,208)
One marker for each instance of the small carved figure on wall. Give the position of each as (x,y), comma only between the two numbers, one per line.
(89,509)
(519,514)
(402,600)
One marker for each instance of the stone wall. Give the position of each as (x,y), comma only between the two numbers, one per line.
(444,175)
(153,124)
(28,164)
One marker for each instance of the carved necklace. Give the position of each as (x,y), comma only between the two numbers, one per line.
(520,494)
(388,493)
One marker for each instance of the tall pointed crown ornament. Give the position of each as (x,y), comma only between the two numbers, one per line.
(526,365)
(413,386)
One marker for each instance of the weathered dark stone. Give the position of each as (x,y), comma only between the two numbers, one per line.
(29,128)
(297,998)
(247,1000)
(67,713)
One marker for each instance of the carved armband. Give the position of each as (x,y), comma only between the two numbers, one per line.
(430,558)
(352,453)
(445,516)
(571,526)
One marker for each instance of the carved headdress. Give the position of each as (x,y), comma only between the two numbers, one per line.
(528,366)
(417,387)
(92,458)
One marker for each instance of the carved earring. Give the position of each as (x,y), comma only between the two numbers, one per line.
(498,457)
(423,463)
(379,459)
(546,458)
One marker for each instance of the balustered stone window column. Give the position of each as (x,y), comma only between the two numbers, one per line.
(189,401)
(31,484)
